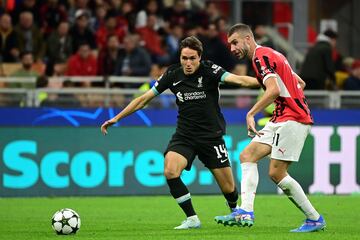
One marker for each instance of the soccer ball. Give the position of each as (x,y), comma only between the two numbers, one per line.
(66,221)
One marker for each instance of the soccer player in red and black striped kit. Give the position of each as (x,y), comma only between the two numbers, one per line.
(282,137)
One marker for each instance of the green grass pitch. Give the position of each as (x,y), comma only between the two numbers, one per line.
(153,217)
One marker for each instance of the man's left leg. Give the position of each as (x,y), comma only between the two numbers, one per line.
(175,163)
(289,140)
(225,180)
(278,173)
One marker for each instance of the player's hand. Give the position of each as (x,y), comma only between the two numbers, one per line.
(107,124)
(250,121)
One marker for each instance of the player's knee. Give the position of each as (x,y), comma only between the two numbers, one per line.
(245,156)
(275,175)
(171,173)
(227,187)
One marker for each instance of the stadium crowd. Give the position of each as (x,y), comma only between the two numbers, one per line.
(105,37)
(132,38)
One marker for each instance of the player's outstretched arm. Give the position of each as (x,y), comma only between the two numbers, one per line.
(243,81)
(133,106)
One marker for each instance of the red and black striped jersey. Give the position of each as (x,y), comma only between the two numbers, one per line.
(291,104)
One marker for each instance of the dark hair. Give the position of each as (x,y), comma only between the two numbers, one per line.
(24,53)
(241,28)
(41,81)
(82,43)
(193,43)
(110,14)
(68,83)
(331,34)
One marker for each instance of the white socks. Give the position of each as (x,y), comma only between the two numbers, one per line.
(249,182)
(296,194)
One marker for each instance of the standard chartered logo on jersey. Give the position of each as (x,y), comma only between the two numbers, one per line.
(189,96)
(28,162)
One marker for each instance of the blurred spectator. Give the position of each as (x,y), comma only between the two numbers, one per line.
(318,69)
(337,59)
(77,5)
(62,100)
(133,60)
(215,50)
(60,69)
(153,41)
(177,14)
(262,38)
(122,10)
(172,41)
(221,25)
(311,33)
(29,36)
(100,15)
(81,31)
(51,14)
(27,62)
(110,28)
(192,29)
(41,82)
(108,56)
(212,12)
(8,41)
(127,16)
(82,63)
(151,8)
(348,64)
(115,6)
(353,82)
(342,75)
(27,6)
(59,47)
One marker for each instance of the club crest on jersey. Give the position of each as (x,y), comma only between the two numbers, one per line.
(180,96)
(200,83)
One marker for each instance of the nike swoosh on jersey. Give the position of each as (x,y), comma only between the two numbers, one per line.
(176,83)
(223,160)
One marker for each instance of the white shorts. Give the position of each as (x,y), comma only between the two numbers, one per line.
(286,139)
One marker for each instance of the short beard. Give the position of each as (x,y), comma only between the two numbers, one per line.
(245,52)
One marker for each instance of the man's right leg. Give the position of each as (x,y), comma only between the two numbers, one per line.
(174,165)
(249,180)
(244,216)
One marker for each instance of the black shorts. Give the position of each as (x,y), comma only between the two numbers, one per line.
(211,152)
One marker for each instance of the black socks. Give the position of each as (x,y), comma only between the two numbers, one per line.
(182,195)
(232,198)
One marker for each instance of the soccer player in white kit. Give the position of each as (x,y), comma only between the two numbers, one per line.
(282,137)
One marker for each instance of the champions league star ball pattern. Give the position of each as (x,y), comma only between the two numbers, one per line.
(66,221)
